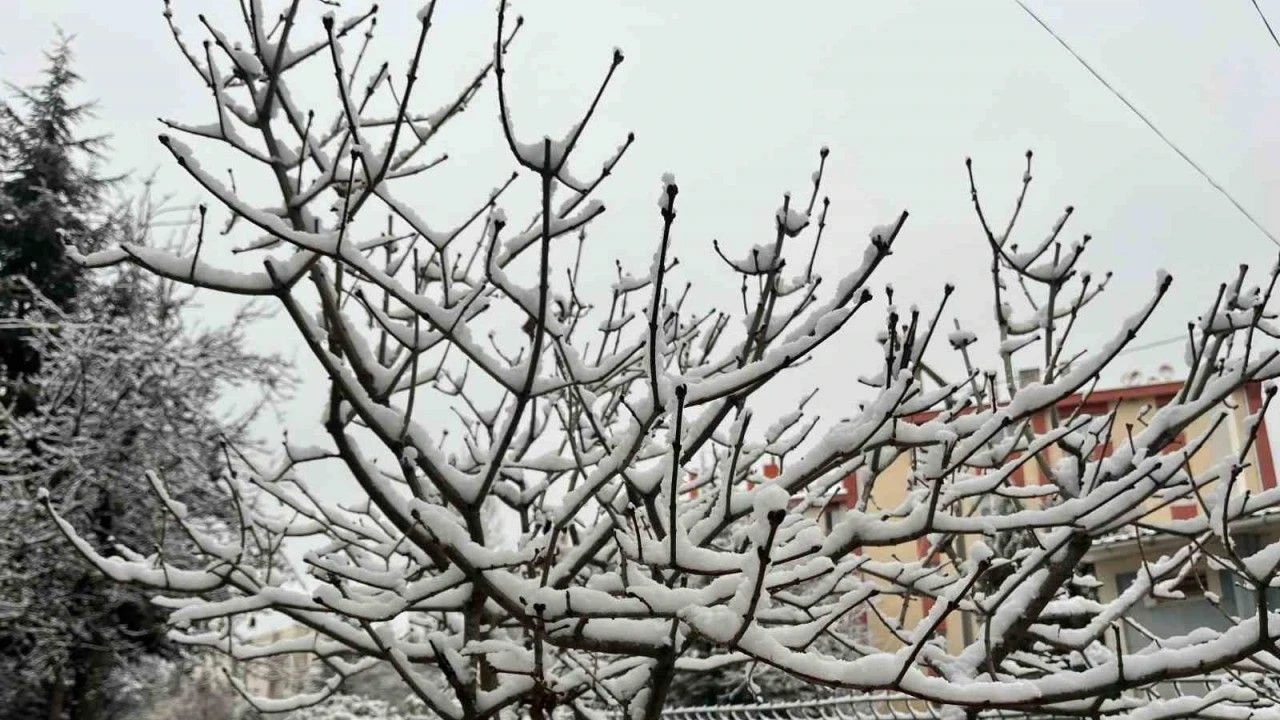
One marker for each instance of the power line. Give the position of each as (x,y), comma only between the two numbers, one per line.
(1151,125)
(1267,23)
(1152,344)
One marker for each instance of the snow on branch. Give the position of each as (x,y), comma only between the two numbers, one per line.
(563,502)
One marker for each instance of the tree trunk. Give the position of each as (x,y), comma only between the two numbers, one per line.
(57,697)
(87,699)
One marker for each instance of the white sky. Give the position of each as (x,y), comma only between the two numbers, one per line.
(736,98)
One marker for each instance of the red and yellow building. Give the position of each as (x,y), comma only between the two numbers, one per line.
(1210,594)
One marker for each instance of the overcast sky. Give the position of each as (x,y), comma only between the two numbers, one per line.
(736,98)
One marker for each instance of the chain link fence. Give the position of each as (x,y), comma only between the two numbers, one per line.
(899,706)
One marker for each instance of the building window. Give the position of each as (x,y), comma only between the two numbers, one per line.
(832,515)
(1098,410)
(1192,586)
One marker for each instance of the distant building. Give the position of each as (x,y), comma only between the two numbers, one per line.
(275,677)
(279,676)
(1115,559)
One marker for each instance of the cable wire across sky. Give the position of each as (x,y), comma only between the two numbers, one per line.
(1141,116)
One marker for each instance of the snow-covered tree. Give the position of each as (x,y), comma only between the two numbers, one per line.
(49,193)
(186,689)
(125,394)
(352,707)
(86,389)
(467,365)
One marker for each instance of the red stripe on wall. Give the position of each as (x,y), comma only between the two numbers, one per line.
(1266,465)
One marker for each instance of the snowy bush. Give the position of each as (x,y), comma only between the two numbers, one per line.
(466,368)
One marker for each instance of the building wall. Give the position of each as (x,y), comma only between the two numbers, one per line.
(280,676)
(1116,561)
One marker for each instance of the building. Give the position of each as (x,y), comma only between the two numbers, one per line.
(1205,593)
(271,677)
(278,676)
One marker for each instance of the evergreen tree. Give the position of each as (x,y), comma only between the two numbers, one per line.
(125,390)
(101,383)
(50,194)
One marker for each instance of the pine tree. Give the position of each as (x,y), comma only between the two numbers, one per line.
(124,390)
(101,383)
(50,194)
